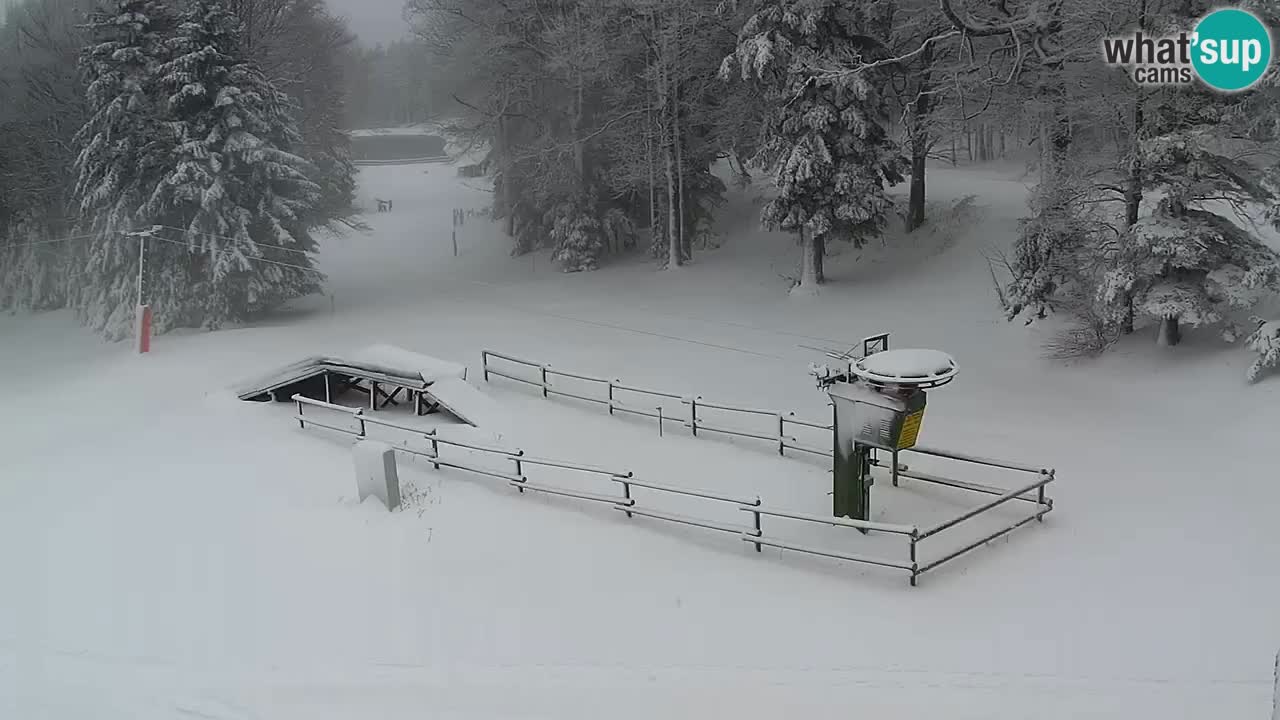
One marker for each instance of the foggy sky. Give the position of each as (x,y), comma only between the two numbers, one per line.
(373,21)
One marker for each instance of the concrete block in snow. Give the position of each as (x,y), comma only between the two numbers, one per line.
(376,472)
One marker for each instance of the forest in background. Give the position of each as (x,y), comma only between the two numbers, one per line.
(604,120)
(601,123)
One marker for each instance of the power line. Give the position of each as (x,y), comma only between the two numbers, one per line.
(246,257)
(113,236)
(231,239)
(49,242)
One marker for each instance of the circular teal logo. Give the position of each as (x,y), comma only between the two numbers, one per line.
(1232,50)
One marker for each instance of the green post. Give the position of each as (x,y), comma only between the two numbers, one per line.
(851,473)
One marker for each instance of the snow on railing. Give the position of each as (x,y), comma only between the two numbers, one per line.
(402,161)
(754,534)
(783,441)
(778,434)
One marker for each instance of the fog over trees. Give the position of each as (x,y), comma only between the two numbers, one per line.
(619,127)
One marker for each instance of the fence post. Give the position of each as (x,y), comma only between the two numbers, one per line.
(693,415)
(782,436)
(756,524)
(610,382)
(455,232)
(360,418)
(659,421)
(484,364)
(915,569)
(626,494)
(519,470)
(544,381)
(301,423)
(435,448)
(1040,517)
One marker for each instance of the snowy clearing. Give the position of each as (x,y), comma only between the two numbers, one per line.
(174,552)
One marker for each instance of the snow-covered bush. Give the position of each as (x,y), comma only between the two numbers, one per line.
(1051,257)
(1265,341)
(578,237)
(619,230)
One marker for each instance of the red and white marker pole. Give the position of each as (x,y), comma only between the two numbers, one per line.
(142,317)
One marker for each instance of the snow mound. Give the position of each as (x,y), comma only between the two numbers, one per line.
(468,404)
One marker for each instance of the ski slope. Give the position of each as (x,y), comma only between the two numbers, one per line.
(171,552)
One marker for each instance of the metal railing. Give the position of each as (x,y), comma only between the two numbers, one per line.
(754,533)
(512,455)
(779,434)
(402,161)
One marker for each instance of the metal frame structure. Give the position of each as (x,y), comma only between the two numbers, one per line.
(755,533)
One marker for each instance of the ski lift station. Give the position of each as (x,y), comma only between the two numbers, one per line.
(923,513)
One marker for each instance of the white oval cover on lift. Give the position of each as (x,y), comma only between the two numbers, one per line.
(908,364)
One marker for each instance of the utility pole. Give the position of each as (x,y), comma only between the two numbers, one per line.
(142,316)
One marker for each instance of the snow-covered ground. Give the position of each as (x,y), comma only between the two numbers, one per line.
(170,552)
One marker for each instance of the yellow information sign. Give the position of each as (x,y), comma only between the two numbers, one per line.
(910,429)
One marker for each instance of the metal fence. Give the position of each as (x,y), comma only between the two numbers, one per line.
(753,533)
(620,397)
(403,161)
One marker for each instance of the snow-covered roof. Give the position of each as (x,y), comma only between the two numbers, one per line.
(428,368)
(382,363)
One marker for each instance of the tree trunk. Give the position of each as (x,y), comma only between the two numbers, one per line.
(686,246)
(579,145)
(920,143)
(819,243)
(915,207)
(1133,196)
(1170,333)
(577,117)
(508,181)
(954,156)
(1133,184)
(1133,188)
(811,251)
(653,181)
(674,257)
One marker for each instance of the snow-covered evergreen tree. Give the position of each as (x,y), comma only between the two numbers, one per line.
(1187,263)
(238,197)
(579,238)
(1265,341)
(824,133)
(121,152)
